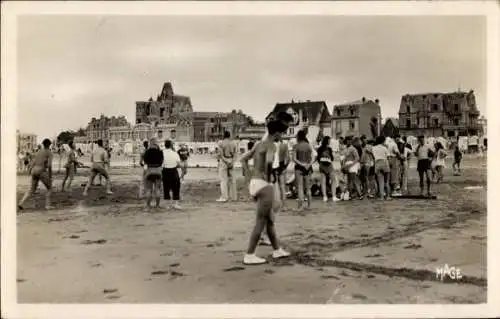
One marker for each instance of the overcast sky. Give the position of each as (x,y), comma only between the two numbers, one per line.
(71,68)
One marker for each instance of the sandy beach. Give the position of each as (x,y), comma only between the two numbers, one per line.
(110,249)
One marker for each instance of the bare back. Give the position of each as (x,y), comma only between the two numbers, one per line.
(263,155)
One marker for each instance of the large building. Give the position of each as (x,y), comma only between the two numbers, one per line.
(311,115)
(362,117)
(98,128)
(26,142)
(439,114)
(166,104)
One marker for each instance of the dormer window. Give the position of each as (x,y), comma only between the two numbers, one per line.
(338,112)
(352,112)
(456,107)
(408,109)
(435,107)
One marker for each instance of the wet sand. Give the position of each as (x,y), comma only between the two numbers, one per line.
(110,249)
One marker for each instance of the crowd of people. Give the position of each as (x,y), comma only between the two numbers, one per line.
(369,168)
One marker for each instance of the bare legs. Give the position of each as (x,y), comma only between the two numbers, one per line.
(44,178)
(93,174)
(70,174)
(427,174)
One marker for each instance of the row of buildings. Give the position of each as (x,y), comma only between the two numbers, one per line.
(171,116)
(25,142)
(437,114)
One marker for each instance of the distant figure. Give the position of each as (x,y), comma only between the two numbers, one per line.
(184,156)
(70,166)
(226,156)
(382,169)
(98,158)
(424,155)
(303,159)
(440,162)
(170,174)
(325,160)
(143,170)
(40,169)
(153,159)
(457,159)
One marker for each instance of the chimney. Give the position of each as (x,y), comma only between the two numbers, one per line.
(363,99)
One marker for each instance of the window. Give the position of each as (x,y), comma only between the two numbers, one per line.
(162,112)
(408,109)
(435,107)
(338,112)
(352,124)
(435,122)
(304,117)
(139,121)
(408,123)
(338,127)
(456,121)
(456,107)
(352,112)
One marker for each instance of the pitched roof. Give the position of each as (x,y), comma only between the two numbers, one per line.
(394,120)
(311,108)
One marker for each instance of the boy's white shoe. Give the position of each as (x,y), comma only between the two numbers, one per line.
(280,253)
(221,200)
(325,199)
(253,260)
(335,199)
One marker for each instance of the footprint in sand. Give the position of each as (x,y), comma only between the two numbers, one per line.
(413,246)
(90,242)
(236,268)
(109,291)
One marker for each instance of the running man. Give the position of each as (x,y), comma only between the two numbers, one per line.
(70,166)
(40,169)
(153,158)
(99,158)
(263,191)
(143,172)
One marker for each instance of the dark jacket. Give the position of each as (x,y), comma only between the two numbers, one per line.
(153,157)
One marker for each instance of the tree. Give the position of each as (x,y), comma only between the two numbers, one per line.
(65,137)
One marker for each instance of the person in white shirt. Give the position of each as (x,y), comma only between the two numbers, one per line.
(99,159)
(424,154)
(394,164)
(382,169)
(170,174)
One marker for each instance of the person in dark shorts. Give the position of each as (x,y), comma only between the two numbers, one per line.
(143,171)
(40,169)
(457,160)
(170,174)
(184,156)
(424,155)
(325,160)
(153,159)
